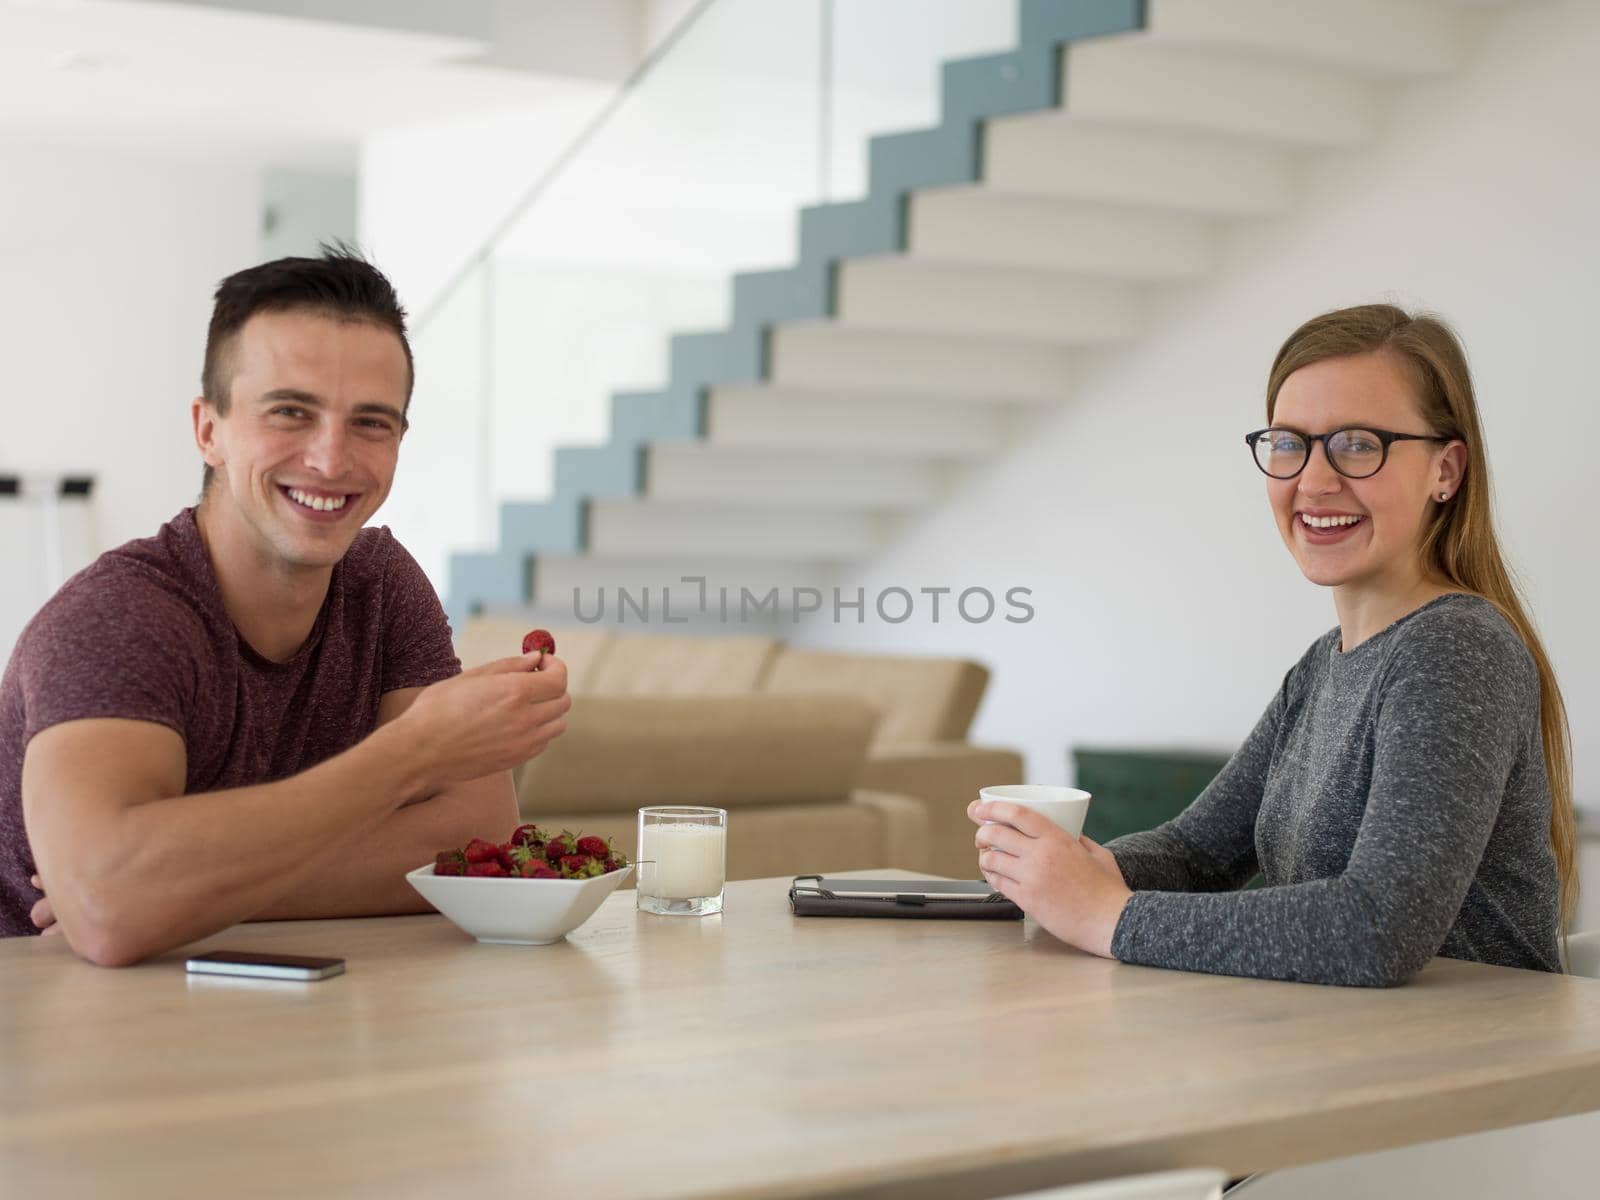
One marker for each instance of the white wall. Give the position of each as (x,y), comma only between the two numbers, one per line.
(107,265)
(302,210)
(1167,608)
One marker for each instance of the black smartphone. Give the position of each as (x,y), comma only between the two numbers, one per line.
(264,966)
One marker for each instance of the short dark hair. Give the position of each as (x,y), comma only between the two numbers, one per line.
(340,284)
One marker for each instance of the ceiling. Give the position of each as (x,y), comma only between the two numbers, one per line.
(206,79)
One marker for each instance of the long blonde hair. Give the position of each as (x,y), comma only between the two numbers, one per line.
(1459,543)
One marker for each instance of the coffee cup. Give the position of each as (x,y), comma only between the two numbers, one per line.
(1063,806)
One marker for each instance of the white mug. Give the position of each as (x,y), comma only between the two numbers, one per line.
(1063,806)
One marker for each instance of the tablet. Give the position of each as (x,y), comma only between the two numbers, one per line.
(931,890)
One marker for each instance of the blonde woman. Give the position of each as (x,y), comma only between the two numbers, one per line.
(1408,791)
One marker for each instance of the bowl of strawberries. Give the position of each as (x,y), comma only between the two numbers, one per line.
(530,890)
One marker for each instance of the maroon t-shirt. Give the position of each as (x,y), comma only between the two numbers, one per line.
(142,633)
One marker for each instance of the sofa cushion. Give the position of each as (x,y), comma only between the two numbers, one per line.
(946,777)
(922,699)
(625,752)
(653,664)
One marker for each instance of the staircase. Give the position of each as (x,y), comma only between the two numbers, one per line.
(926,325)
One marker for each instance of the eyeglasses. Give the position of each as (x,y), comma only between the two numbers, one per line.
(1354,452)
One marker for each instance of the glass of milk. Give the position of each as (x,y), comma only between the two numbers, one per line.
(682,860)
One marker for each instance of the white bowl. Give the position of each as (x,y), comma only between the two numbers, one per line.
(515,911)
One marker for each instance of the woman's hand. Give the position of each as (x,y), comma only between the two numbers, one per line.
(1071,886)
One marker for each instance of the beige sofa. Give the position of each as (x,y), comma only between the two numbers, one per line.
(826,762)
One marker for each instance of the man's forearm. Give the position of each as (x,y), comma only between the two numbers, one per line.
(170,871)
(365,876)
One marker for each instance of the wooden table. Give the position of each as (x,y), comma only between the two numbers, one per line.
(752,1054)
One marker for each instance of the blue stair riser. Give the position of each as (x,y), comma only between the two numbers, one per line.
(973,90)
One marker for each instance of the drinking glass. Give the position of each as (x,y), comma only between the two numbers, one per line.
(683,860)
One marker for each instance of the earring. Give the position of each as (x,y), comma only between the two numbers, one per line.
(1444,495)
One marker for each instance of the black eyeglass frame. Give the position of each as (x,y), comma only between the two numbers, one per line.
(1386,437)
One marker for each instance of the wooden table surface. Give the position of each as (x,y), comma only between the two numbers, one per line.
(751,1054)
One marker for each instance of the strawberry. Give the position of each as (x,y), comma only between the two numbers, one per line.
(558,847)
(478,851)
(486,869)
(534,869)
(574,866)
(594,847)
(527,835)
(615,862)
(521,856)
(539,639)
(450,862)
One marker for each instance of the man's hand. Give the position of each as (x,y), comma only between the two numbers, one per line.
(41,914)
(489,719)
(366,876)
(1071,886)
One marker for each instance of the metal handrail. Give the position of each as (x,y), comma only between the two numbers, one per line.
(635,77)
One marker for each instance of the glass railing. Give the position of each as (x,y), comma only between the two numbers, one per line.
(693,171)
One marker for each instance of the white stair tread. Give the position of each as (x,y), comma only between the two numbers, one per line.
(635,525)
(1380,37)
(1053,153)
(826,354)
(699,471)
(901,292)
(765,415)
(1136,80)
(979,224)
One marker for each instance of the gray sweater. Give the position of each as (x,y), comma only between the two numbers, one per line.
(1395,800)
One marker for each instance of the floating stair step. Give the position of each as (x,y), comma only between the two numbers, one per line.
(570,585)
(634,526)
(761,477)
(1379,37)
(827,354)
(900,292)
(981,225)
(1130,80)
(862,422)
(1064,155)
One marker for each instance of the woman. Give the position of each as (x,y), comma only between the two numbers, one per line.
(1408,791)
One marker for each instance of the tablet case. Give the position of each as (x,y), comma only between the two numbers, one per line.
(809,899)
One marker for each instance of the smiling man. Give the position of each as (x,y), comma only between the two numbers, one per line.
(257,714)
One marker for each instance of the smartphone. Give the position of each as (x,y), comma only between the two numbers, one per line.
(264,966)
(928,889)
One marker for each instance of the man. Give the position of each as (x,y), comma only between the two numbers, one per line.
(256,714)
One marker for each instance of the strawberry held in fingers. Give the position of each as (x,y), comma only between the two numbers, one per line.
(539,639)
